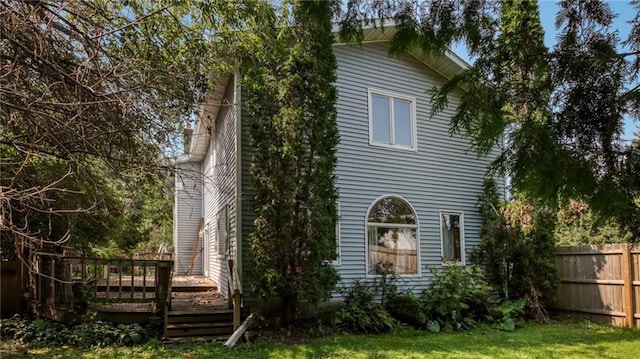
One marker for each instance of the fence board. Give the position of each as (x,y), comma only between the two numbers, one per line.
(600,279)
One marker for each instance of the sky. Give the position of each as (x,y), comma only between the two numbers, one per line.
(548,10)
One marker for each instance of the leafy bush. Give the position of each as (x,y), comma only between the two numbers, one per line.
(37,332)
(457,298)
(509,313)
(44,332)
(406,308)
(361,313)
(518,250)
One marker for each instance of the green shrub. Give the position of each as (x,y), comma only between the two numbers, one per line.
(38,331)
(406,308)
(361,313)
(517,249)
(457,298)
(44,332)
(509,312)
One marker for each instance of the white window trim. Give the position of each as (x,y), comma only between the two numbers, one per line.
(222,240)
(391,225)
(463,256)
(414,135)
(206,248)
(337,262)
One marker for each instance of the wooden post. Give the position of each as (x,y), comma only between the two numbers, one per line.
(144,281)
(108,266)
(96,281)
(40,268)
(132,280)
(68,289)
(52,282)
(163,271)
(120,280)
(627,277)
(237,297)
(230,290)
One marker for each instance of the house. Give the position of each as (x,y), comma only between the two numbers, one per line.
(407,188)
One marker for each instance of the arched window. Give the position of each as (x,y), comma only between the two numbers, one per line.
(392,243)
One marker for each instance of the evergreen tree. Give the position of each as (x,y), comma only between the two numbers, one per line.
(294,132)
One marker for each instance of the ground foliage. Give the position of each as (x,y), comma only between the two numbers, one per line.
(45,332)
(565,339)
(458,298)
(362,312)
(559,111)
(292,127)
(517,248)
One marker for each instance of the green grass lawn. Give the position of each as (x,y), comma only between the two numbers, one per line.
(558,340)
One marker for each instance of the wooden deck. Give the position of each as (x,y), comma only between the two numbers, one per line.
(188,293)
(178,283)
(196,293)
(192,284)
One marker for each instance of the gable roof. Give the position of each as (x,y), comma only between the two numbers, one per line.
(447,66)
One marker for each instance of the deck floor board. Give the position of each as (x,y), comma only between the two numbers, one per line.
(189,294)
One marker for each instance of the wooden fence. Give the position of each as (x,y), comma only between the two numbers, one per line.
(397,260)
(601,282)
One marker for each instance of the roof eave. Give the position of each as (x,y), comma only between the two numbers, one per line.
(448,66)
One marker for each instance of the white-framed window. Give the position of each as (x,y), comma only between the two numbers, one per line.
(392,237)
(452,236)
(222,230)
(392,120)
(205,234)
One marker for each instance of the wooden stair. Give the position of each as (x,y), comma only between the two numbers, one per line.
(198,312)
(215,324)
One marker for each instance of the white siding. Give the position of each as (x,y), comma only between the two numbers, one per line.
(220,185)
(187,214)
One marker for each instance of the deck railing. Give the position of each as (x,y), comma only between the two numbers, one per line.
(73,282)
(234,289)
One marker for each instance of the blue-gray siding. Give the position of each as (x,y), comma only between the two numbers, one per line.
(439,176)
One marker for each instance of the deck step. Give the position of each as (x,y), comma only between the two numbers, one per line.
(194,288)
(199,329)
(197,322)
(207,338)
(200,317)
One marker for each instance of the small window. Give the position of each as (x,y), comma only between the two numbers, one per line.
(392,244)
(392,120)
(222,230)
(452,236)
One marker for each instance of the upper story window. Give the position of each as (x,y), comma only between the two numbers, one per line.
(452,236)
(392,243)
(392,120)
